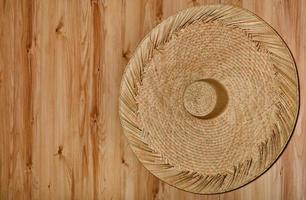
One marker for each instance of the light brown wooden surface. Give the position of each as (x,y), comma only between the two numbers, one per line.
(61,64)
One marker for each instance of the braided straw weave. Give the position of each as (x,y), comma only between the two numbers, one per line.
(209,99)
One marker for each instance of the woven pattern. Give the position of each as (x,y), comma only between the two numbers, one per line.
(209,99)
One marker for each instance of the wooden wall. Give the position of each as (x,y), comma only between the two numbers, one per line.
(61,63)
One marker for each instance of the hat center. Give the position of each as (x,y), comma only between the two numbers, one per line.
(202,98)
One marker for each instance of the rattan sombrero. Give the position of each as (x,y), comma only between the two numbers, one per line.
(209,99)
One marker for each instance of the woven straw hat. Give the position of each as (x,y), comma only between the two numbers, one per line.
(209,99)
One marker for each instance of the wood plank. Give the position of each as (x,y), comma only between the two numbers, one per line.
(61,64)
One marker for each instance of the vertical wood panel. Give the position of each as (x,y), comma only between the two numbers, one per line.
(61,64)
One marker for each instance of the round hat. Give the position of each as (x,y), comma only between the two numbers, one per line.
(209,99)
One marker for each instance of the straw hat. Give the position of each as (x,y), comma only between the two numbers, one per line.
(209,99)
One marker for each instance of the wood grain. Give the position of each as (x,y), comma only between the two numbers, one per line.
(61,64)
